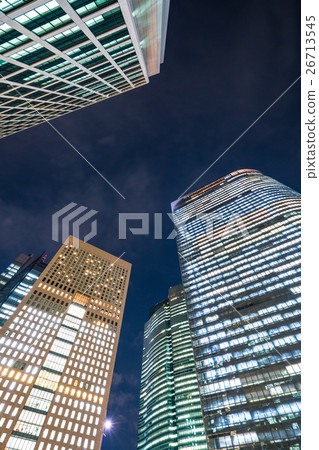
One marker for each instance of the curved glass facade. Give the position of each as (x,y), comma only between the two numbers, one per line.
(239,248)
(170,414)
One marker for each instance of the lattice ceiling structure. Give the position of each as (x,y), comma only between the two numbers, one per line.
(61,55)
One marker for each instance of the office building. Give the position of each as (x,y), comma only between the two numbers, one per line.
(170,415)
(238,242)
(16,281)
(58,56)
(57,352)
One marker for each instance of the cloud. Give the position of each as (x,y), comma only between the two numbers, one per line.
(119,379)
(120,398)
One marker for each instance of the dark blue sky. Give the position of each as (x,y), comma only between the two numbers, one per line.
(225,63)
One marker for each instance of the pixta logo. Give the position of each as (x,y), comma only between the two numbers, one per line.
(225,226)
(69,226)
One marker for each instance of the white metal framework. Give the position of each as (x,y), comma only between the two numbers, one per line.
(61,55)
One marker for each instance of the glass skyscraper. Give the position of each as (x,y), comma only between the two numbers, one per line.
(57,56)
(239,248)
(58,349)
(16,281)
(170,414)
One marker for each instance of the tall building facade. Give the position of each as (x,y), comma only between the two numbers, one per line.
(57,352)
(58,56)
(170,414)
(16,281)
(239,248)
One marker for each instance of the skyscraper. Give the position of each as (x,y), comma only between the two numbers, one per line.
(57,352)
(16,281)
(170,414)
(57,56)
(239,248)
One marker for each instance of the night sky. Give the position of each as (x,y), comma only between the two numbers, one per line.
(225,63)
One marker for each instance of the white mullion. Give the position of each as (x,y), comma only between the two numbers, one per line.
(28,105)
(85,58)
(36,88)
(17,26)
(10,108)
(101,63)
(126,54)
(46,74)
(86,30)
(132,29)
(24,98)
(23,9)
(128,41)
(110,68)
(53,56)
(35,4)
(46,115)
(60,30)
(26,110)
(19,125)
(107,33)
(30,113)
(42,89)
(38,116)
(30,124)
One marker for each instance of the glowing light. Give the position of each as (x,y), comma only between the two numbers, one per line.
(108,424)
